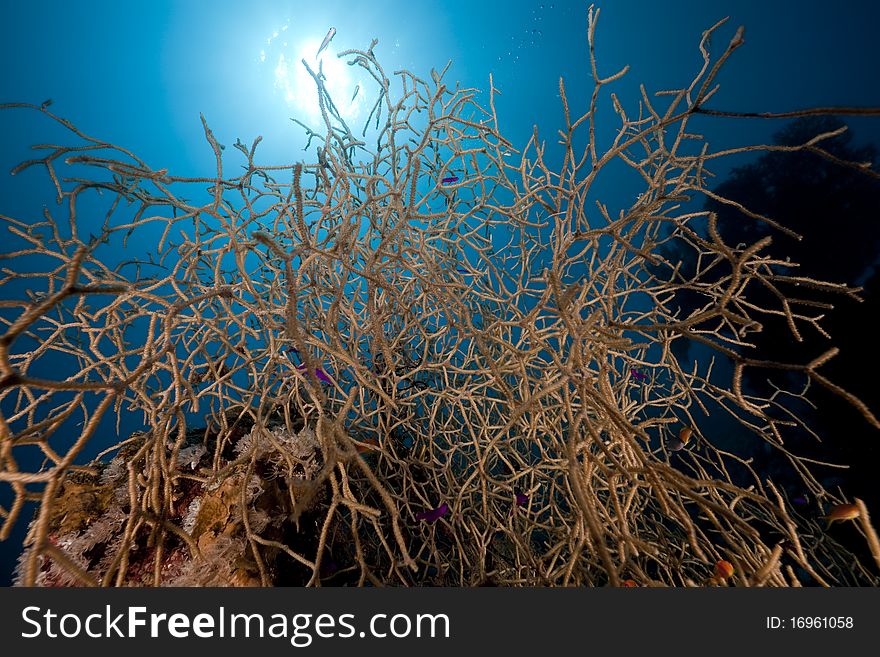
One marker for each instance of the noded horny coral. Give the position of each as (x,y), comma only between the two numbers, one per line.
(502,331)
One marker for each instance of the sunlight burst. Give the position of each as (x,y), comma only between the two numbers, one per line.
(298,88)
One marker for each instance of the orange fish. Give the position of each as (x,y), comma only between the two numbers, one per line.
(723,569)
(842,512)
(629,584)
(370,444)
(678,444)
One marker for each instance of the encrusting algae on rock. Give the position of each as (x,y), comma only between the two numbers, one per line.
(256,493)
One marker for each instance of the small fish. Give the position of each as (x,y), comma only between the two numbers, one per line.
(842,512)
(638,376)
(678,444)
(326,42)
(675,445)
(354,95)
(433,515)
(370,445)
(800,500)
(450,180)
(318,373)
(46,103)
(329,567)
(723,569)
(520,499)
(629,584)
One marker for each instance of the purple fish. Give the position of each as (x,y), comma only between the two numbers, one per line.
(638,376)
(318,372)
(450,180)
(520,499)
(433,515)
(800,500)
(329,567)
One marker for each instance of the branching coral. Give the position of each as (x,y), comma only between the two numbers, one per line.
(471,327)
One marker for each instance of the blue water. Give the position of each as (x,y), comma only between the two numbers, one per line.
(139,75)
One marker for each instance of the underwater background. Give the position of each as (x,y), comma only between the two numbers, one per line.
(138,75)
